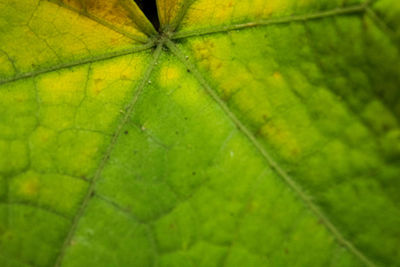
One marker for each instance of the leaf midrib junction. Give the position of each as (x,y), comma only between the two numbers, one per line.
(188,34)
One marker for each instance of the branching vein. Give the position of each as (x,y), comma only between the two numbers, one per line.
(90,191)
(271,162)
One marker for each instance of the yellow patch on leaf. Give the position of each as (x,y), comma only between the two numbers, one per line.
(124,14)
(169,75)
(282,138)
(168,10)
(28,185)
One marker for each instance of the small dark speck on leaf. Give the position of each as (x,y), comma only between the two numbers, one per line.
(193,173)
(126,132)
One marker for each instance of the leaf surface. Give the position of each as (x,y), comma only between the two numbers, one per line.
(248,133)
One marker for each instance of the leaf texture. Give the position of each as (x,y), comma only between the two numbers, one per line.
(246,133)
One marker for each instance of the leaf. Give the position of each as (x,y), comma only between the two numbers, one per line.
(246,133)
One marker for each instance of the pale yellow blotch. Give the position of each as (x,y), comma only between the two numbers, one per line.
(207,53)
(259,8)
(237,11)
(124,14)
(231,85)
(241,89)
(62,88)
(216,58)
(168,11)
(188,95)
(204,52)
(235,79)
(182,90)
(278,134)
(169,75)
(277,6)
(202,49)
(29,185)
(247,100)
(111,82)
(224,12)
(277,76)
(249,8)
(200,12)
(30,188)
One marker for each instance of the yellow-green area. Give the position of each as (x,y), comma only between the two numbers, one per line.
(245,133)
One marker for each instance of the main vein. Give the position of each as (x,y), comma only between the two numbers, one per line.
(181,14)
(127,113)
(80,62)
(264,22)
(273,164)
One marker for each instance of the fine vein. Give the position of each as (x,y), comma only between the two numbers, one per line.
(90,191)
(274,165)
(35,206)
(382,25)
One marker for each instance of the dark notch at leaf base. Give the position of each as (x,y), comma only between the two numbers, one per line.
(149,8)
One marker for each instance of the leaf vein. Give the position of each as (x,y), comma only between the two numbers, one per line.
(267,22)
(271,162)
(90,191)
(36,206)
(80,62)
(377,20)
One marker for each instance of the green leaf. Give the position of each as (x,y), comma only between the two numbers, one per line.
(245,133)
